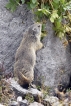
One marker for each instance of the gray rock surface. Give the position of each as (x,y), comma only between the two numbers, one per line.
(12,26)
(54,101)
(34,91)
(52,61)
(24,103)
(1,105)
(35,104)
(13,103)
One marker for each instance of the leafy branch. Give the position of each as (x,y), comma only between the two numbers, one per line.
(55,10)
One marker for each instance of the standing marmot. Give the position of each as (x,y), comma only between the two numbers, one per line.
(26,55)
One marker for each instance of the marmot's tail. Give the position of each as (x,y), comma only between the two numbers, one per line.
(23,81)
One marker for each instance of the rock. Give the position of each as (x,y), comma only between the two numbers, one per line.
(12,26)
(46,103)
(23,103)
(66,102)
(53,61)
(13,103)
(2,69)
(54,101)
(57,104)
(1,105)
(51,99)
(36,104)
(35,92)
(19,99)
(23,91)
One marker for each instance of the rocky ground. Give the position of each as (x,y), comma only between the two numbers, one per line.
(53,61)
(12,94)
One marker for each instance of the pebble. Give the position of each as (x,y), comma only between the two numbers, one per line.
(23,103)
(1,105)
(19,99)
(35,104)
(13,103)
(57,104)
(51,99)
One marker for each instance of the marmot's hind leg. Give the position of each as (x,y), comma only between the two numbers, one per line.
(24,85)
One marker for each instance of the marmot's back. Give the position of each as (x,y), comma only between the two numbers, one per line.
(26,54)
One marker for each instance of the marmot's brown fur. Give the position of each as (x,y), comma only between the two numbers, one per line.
(26,55)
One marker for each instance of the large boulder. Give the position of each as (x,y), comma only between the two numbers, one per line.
(53,61)
(12,26)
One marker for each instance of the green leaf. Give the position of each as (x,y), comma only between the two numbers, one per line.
(55,4)
(39,15)
(54,15)
(33,5)
(60,35)
(43,35)
(8,6)
(67,6)
(12,5)
(44,11)
(13,8)
(52,19)
(43,27)
(42,5)
(23,1)
(34,1)
(56,1)
(62,1)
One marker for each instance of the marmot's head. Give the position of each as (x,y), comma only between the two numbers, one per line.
(35,30)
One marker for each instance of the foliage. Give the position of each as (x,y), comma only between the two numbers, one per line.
(29,97)
(12,5)
(55,10)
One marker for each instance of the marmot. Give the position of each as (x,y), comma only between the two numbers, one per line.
(25,56)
